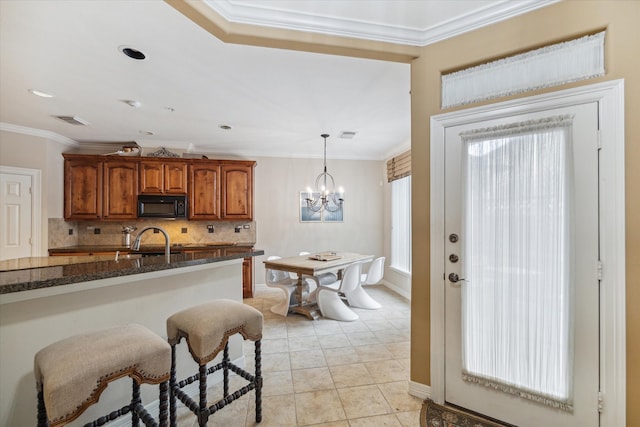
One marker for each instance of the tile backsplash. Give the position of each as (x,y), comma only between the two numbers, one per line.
(77,233)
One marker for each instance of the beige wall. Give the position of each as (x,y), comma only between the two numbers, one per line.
(562,21)
(34,152)
(278,182)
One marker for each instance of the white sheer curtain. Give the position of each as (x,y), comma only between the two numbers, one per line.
(401,224)
(517,297)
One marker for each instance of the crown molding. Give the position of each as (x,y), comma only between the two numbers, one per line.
(39,133)
(267,16)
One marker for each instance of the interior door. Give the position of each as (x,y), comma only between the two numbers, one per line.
(489,397)
(16,217)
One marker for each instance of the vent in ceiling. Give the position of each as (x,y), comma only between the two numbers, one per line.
(347,135)
(74,120)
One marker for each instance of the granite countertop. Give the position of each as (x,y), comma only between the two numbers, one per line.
(175,247)
(88,268)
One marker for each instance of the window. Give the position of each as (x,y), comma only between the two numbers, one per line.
(401,224)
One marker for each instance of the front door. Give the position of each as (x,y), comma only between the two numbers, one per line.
(521,256)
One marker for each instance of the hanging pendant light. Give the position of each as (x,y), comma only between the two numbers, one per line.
(324,196)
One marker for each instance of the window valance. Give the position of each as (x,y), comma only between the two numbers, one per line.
(399,166)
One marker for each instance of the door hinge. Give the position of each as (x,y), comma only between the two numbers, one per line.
(600,402)
(599,271)
(599,143)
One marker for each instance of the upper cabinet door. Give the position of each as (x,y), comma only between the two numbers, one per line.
(237,190)
(151,177)
(83,188)
(163,177)
(120,189)
(175,178)
(204,191)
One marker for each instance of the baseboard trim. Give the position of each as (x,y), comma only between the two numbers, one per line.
(419,390)
(402,292)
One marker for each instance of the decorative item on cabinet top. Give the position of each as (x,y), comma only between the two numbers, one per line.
(129,150)
(163,152)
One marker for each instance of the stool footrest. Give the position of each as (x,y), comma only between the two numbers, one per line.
(109,417)
(230,398)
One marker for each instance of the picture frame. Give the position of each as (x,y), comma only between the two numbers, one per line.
(307,215)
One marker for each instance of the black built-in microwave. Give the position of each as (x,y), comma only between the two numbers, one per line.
(161,206)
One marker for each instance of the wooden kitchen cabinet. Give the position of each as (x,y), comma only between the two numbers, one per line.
(204,191)
(163,177)
(107,187)
(247,278)
(82,188)
(120,190)
(221,191)
(237,190)
(95,188)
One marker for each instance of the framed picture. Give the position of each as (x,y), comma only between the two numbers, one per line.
(307,215)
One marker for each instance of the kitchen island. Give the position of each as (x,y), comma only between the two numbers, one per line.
(39,306)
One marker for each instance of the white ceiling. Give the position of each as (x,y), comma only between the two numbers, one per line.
(277,102)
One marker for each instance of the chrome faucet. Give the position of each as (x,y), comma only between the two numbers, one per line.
(167,250)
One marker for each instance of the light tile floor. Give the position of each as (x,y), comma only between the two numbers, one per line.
(327,373)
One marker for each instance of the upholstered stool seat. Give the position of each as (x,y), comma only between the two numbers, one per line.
(207,328)
(72,373)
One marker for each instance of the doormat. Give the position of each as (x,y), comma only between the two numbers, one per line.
(435,415)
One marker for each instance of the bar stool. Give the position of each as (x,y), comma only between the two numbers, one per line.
(207,328)
(71,374)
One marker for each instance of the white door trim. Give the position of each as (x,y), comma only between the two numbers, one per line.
(36,209)
(610,96)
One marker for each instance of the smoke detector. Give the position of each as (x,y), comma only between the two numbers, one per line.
(74,120)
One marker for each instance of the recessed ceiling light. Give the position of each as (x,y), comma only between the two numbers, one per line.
(40,93)
(146,132)
(132,53)
(225,127)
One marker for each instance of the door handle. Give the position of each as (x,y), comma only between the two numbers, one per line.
(454,278)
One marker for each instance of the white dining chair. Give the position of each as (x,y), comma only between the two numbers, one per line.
(328,296)
(358,297)
(281,280)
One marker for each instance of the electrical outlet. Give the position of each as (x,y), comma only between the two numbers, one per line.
(96,230)
(237,229)
(71,232)
(210,228)
(184,230)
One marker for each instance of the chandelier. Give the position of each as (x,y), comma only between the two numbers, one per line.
(324,196)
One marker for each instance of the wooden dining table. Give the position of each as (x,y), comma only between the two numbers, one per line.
(315,264)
